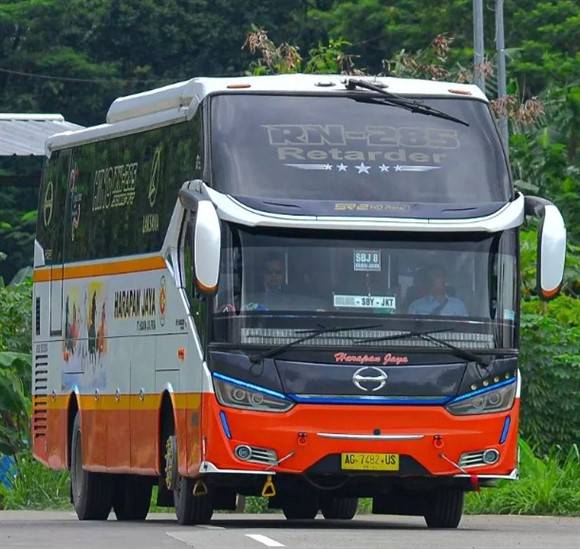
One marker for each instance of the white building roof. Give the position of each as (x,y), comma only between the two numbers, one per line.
(26,134)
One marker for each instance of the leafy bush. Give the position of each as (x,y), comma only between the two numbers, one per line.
(16,317)
(548,486)
(35,487)
(550,366)
(14,402)
(15,366)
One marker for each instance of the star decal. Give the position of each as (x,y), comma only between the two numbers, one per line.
(342,167)
(384,168)
(328,167)
(362,168)
(398,168)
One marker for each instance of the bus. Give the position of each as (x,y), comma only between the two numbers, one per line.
(303,287)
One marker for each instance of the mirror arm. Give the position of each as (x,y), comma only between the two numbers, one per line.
(189,199)
(534,205)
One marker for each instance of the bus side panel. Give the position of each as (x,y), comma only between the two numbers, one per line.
(118,415)
(144,406)
(193,432)
(194,374)
(49,439)
(115,199)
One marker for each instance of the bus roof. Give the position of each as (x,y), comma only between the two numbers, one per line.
(179,101)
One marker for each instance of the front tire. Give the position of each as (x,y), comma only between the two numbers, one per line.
(132,497)
(444,508)
(189,509)
(300,508)
(339,508)
(91,492)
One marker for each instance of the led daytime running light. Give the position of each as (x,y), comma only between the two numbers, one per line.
(483,391)
(250,386)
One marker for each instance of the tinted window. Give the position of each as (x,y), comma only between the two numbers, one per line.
(52,205)
(340,149)
(274,279)
(122,192)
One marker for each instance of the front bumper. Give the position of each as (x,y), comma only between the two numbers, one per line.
(429,439)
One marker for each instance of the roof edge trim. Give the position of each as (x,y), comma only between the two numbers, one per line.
(137,105)
(118,129)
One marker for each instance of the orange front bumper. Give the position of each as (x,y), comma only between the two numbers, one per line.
(300,434)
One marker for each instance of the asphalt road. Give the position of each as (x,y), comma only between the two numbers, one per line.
(49,530)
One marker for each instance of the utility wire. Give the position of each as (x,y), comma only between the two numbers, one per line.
(108,80)
(83,80)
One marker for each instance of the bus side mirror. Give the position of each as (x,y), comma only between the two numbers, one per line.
(551,246)
(207,247)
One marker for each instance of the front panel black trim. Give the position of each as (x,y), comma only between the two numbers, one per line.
(329,465)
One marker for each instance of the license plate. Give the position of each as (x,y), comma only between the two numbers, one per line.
(365,301)
(369,462)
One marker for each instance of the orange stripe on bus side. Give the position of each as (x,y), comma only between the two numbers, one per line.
(45,274)
(149,401)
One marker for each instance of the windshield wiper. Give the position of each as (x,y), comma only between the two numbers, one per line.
(396,100)
(311,335)
(457,351)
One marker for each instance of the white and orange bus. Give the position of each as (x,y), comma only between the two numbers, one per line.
(299,286)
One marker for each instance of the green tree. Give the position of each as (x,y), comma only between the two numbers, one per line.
(112,47)
(15,366)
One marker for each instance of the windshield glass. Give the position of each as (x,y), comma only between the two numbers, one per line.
(338,149)
(274,284)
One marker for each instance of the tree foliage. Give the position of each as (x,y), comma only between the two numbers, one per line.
(15,366)
(550,364)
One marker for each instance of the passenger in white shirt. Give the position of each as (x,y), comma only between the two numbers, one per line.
(437,302)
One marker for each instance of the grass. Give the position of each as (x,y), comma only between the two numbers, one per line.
(36,487)
(548,486)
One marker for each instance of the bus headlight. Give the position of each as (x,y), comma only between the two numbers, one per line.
(485,401)
(235,393)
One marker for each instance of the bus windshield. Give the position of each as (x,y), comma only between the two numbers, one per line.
(276,283)
(343,149)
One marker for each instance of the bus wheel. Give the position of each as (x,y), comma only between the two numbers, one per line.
(443,508)
(132,497)
(339,508)
(91,492)
(300,508)
(189,508)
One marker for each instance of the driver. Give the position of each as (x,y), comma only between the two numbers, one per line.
(274,275)
(437,302)
(274,290)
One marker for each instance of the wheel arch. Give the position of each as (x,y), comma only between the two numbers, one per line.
(167,422)
(73,408)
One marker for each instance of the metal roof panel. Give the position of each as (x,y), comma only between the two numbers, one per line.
(26,134)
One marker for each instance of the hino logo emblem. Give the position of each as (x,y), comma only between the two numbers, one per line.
(369,378)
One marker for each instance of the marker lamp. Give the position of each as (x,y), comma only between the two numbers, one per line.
(485,401)
(246,396)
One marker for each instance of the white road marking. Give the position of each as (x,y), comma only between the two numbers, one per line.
(180,537)
(268,542)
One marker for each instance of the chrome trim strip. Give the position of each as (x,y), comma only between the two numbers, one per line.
(368,399)
(349,436)
(209,467)
(514,475)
